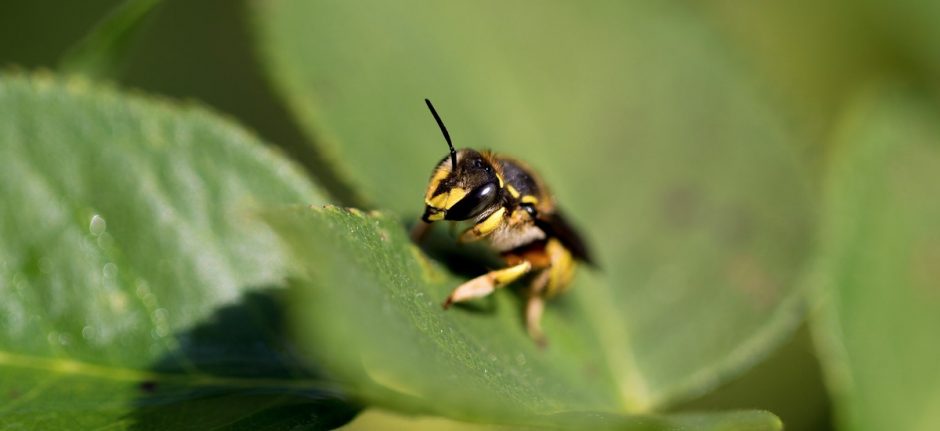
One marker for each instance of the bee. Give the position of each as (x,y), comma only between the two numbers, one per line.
(511,208)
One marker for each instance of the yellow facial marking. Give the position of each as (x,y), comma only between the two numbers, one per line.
(436,179)
(447,199)
(437,201)
(529,199)
(436,216)
(490,223)
(500,178)
(513,191)
(455,195)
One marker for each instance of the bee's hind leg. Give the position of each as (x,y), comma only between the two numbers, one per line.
(487,283)
(535,305)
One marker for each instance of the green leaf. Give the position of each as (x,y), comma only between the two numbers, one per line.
(658,144)
(373,419)
(136,287)
(813,70)
(363,289)
(909,28)
(103,52)
(879,268)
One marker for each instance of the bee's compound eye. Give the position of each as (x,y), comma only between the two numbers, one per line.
(474,203)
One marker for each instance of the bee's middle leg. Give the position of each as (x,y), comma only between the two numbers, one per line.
(535,305)
(487,283)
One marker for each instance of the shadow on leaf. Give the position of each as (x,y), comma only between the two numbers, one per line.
(464,260)
(239,370)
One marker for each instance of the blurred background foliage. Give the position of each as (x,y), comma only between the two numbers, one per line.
(852,86)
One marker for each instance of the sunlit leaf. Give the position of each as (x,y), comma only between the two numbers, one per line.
(137,289)
(396,348)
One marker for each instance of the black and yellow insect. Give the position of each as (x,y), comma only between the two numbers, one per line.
(510,207)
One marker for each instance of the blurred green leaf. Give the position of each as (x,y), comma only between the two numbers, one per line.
(136,288)
(812,54)
(36,33)
(396,348)
(879,270)
(653,139)
(374,419)
(102,53)
(909,27)
(799,397)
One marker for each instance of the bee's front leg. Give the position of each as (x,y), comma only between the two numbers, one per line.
(419,231)
(485,227)
(487,283)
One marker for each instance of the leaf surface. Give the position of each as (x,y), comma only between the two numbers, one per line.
(103,52)
(373,419)
(137,289)
(397,349)
(879,268)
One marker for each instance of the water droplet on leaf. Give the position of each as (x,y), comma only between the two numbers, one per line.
(98,225)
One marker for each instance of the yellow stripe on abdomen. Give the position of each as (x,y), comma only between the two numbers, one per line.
(562,269)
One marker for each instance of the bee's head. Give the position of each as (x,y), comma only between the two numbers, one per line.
(463,186)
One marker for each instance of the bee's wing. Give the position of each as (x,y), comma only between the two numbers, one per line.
(555,225)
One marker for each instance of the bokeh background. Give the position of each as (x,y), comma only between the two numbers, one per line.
(797,77)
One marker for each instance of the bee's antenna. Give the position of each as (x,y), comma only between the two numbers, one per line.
(453,154)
